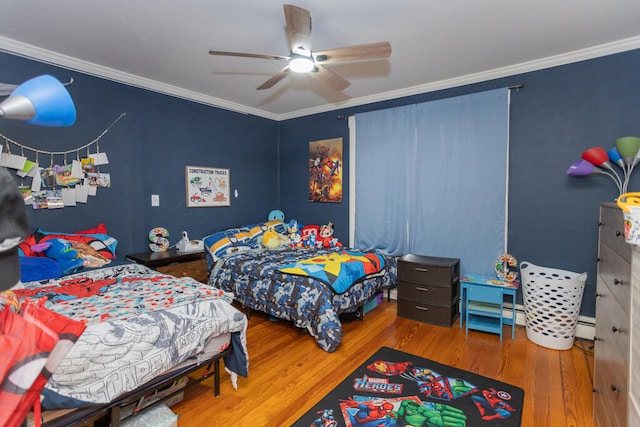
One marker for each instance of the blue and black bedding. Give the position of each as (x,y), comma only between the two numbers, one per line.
(258,279)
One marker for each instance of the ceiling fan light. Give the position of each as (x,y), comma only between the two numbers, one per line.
(301,64)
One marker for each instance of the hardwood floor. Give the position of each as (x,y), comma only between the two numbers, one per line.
(288,372)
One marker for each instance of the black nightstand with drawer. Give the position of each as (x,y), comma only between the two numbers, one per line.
(428,289)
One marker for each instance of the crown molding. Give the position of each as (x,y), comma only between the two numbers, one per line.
(57,59)
(525,67)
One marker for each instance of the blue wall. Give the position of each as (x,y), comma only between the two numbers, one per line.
(553,218)
(148,151)
(560,112)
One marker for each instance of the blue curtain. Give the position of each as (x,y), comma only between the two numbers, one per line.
(431,179)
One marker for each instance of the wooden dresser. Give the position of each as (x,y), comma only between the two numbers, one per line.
(428,289)
(634,366)
(613,302)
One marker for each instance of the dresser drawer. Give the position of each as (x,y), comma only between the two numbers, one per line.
(437,315)
(428,270)
(634,391)
(610,406)
(612,231)
(615,272)
(612,325)
(427,294)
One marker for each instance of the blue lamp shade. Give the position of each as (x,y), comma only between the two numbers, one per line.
(614,155)
(40,101)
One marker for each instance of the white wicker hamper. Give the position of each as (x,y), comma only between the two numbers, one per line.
(552,300)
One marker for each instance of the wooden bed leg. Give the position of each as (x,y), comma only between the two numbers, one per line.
(216,378)
(115,416)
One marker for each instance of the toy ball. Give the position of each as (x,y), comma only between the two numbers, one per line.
(275,215)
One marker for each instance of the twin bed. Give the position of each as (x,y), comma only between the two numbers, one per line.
(310,287)
(144,329)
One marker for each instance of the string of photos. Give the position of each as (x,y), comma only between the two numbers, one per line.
(58,178)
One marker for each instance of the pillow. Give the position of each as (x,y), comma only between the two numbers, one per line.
(227,242)
(100,229)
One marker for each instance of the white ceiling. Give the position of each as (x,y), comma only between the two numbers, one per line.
(163,45)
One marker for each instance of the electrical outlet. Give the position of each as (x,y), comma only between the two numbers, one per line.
(155,200)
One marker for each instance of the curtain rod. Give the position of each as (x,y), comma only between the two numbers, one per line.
(516,87)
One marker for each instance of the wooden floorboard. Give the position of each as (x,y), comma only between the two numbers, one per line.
(289,372)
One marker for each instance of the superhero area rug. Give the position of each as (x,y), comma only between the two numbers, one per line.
(393,388)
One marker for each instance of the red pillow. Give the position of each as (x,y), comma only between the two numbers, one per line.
(100,229)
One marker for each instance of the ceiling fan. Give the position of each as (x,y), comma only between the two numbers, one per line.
(303,59)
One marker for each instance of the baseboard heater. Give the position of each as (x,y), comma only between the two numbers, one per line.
(586,327)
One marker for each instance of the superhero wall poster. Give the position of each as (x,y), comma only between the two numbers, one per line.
(394,388)
(325,170)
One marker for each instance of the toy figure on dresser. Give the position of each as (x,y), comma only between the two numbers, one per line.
(326,237)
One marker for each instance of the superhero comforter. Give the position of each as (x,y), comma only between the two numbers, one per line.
(255,279)
(139,324)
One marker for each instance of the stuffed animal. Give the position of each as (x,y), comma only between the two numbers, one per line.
(272,240)
(63,253)
(326,239)
(276,215)
(309,236)
(293,233)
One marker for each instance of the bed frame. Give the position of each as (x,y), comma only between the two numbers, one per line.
(108,414)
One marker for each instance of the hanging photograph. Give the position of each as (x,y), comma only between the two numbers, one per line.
(325,170)
(207,187)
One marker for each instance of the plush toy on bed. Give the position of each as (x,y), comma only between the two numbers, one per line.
(293,233)
(61,252)
(310,236)
(272,240)
(325,237)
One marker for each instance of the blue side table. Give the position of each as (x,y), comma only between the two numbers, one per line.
(481,303)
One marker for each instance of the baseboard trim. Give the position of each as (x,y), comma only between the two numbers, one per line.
(586,327)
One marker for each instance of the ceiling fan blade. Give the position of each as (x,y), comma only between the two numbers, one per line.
(298,28)
(336,82)
(274,79)
(246,55)
(353,53)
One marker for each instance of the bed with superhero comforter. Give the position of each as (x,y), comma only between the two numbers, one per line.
(139,324)
(309,287)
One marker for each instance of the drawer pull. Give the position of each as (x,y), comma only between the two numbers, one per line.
(421,308)
(420,288)
(618,282)
(616,388)
(422,270)
(618,233)
(614,329)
